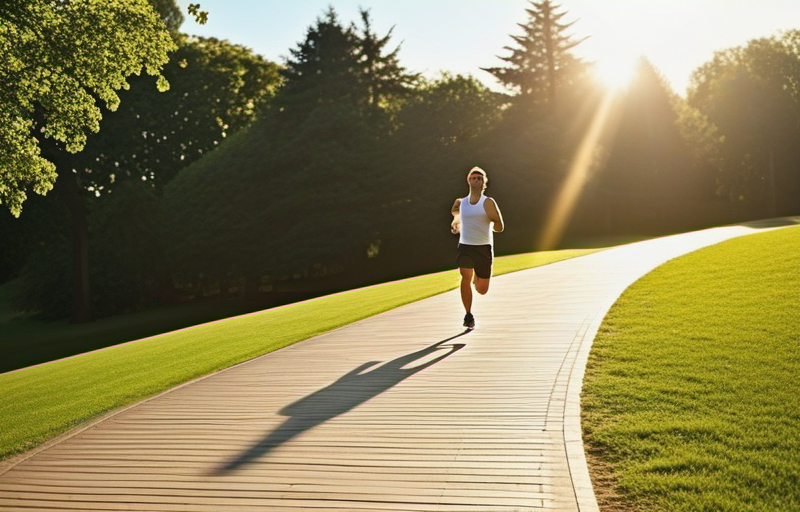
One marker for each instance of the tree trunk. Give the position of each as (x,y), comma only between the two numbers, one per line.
(76,207)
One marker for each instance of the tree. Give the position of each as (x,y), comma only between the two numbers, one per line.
(452,109)
(304,187)
(217,88)
(648,154)
(439,133)
(170,13)
(541,63)
(541,128)
(341,67)
(323,70)
(752,95)
(648,181)
(383,75)
(62,58)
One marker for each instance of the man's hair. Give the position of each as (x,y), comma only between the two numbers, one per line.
(480,171)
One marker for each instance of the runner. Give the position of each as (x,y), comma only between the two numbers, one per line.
(474,219)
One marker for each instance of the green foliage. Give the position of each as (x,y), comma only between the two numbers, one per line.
(752,95)
(341,66)
(302,185)
(649,161)
(45,281)
(542,62)
(450,110)
(703,141)
(690,396)
(322,70)
(126,251)
(201,17)
(20,236)
(216,89)
(385,79)
(60,59)
(169,12)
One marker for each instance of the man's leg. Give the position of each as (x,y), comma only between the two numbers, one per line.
(481,284)
(466,288)
(483,267)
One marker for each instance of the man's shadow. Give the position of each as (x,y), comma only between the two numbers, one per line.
(350,390)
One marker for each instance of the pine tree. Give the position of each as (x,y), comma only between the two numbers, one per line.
(323,69)
(343,67)
(541,64)
(382,73)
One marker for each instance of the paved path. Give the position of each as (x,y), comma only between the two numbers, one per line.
(400,412)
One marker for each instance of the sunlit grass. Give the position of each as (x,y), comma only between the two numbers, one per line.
(43,401)
(691,399)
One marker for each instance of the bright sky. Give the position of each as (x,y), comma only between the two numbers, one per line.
(461,36)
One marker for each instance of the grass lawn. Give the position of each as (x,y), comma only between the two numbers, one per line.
(26,340)
(691,400)
(40,402)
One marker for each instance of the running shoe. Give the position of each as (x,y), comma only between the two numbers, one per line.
(469,321)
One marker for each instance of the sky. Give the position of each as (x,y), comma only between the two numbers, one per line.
(462,36)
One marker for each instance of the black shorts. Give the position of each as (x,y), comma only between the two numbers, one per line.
(478,257)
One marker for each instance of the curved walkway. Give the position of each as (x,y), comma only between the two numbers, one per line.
(400,412)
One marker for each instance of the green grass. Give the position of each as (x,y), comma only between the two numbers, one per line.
(691,400)
(40,402)
(26,340)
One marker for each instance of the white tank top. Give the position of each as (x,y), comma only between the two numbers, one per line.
(476,227)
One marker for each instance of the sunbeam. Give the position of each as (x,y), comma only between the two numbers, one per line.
(603,123)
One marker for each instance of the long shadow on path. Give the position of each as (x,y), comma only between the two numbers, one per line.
(350,390)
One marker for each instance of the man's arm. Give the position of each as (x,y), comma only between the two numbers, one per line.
(493,211)
(455,226)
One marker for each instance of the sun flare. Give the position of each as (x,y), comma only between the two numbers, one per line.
(604,122)
(616,72)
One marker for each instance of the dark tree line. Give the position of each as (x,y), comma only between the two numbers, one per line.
(337,168)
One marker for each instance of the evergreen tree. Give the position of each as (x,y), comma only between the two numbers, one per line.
(652,172)
(545,120)
(305,178)
(322,70)
(648,151)
(339,79)
(541,63)
(383,75)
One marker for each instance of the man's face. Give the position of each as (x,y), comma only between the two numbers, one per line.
(476,180)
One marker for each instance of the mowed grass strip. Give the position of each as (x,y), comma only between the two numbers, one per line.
(691,400)
(43,401)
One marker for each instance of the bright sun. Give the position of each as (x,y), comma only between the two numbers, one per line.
(615,72)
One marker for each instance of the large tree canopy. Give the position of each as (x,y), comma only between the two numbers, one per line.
(62,60)
(216,89)
(299,184)
(752,95)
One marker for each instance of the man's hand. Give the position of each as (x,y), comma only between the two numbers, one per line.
(455,226)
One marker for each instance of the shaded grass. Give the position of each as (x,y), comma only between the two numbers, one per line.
(691,400)
(26,340)
(40,402)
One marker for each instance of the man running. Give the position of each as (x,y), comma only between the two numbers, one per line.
(474,218)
